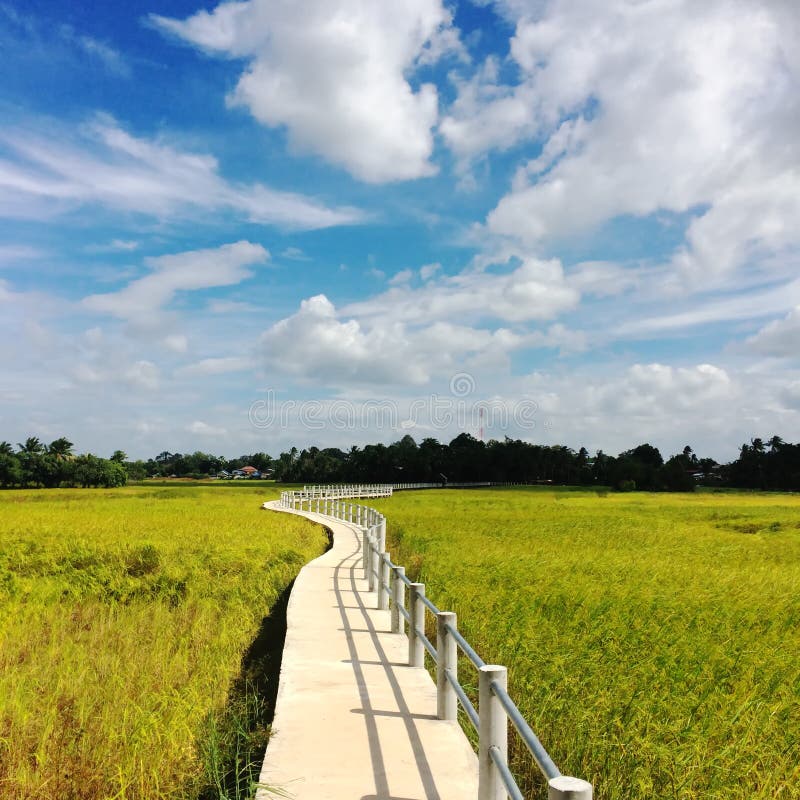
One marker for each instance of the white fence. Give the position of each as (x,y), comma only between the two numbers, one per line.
(408,605)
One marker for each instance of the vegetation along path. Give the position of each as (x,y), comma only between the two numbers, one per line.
(352,720)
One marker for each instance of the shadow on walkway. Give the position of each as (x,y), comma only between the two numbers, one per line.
(345,580)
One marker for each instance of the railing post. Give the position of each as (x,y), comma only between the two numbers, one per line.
(446,659)
(382,534)
(398,599)
(565,788)
(492,732)
(365,552)
(416,608)
(383,592)
(371,562)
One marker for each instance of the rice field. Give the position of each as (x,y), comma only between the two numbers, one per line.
(136,640)
(652,640)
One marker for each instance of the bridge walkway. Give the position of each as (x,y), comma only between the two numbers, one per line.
(352,720)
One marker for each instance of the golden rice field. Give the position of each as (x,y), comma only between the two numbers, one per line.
(135,639)
(653,641)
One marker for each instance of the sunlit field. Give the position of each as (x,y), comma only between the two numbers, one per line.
(134,650)
(651,640)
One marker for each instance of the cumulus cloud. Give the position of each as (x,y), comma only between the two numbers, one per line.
(641,107)
(616,408)
(192,270)
(100,163)
(655,391)
(336,74)
(780,338)
(317,345)
(534,290)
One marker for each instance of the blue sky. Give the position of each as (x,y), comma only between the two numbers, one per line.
(583,216)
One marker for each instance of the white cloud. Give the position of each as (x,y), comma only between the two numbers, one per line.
(336,74)
(112,59)
(641,107)
(743,306)
(401,278)
(143,375)
(791,396)
(196,269)
(12,253)
(294,254)
(655,391)
(115,246)
(204,429)
(176,342)
(602,278)
(427,271)
(218,366)
(535,290)
(316,345)
(779,338)
(46,172)
(617,408)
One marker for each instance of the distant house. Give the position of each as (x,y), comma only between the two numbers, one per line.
(246,472)
(223,474)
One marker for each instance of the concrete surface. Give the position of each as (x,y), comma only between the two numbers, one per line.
(352,720)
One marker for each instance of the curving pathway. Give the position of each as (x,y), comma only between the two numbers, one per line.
(352,720)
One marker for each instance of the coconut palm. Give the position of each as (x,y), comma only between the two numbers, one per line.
(61,448)
(32,446)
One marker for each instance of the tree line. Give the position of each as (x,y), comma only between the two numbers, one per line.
(36,464)
(771,464)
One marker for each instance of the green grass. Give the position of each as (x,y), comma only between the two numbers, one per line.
(136,642)
(652,640)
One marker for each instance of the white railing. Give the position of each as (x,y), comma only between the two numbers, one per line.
(495,707)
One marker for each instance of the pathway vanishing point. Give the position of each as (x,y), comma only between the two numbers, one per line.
(352,720)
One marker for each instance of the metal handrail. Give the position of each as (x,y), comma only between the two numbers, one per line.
(373,525)
(540,755)
(426,642)
(466,703)
(465,647)
(505,774)
(429,605)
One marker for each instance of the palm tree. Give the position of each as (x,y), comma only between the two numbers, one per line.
(32,446)
(61,448)
(6,449)
(775,444)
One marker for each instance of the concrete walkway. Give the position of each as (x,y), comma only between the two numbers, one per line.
(352,720)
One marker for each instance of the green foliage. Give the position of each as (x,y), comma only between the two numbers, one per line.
(651,640)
